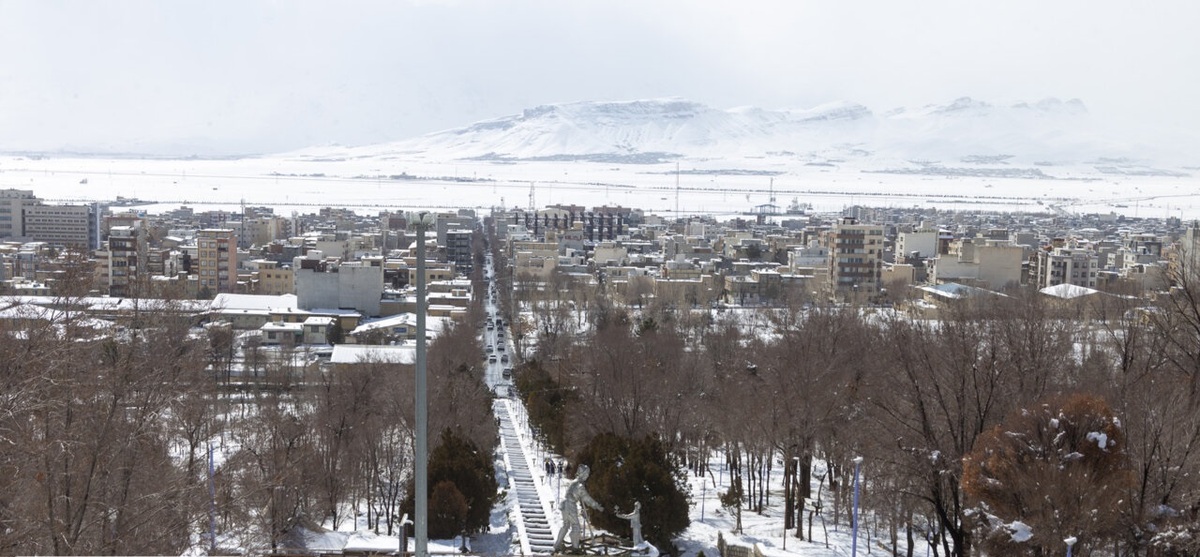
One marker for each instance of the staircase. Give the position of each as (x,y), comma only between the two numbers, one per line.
(533,525)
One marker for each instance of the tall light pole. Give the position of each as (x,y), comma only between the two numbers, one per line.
(421,221)
(854,521)
(1070,544)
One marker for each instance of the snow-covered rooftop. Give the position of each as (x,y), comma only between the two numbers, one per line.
(1068,291)
(363,353)
(254,302)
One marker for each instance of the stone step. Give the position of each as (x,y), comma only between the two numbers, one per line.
(539,536)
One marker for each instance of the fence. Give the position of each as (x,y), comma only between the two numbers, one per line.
(736,550)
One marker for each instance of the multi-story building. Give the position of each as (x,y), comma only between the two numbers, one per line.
(262,230)
(272,278)
(216,260)
(126,256)
(1066,265)
(322,284)
(986,263)
(463,220)
(12,211)
(856,256)
(922,240)
(1187,259)
(808,256)
(458,250)
(66,225)
(22,215)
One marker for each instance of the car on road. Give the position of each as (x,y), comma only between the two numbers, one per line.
(492,359)
(504,359)
(507,373)
(491,349)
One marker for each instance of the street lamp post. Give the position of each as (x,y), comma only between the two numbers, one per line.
(854,520)
(421,221)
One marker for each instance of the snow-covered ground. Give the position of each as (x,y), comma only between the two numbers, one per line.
(663,154)
(721,186)
(708,518)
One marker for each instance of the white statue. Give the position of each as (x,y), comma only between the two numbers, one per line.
(575,494)
(635,522)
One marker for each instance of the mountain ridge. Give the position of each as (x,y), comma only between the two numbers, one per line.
(1049,129)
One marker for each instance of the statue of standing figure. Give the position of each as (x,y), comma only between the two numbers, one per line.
(635,522)
(575,494)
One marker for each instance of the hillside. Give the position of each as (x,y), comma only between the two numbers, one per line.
(1048,132)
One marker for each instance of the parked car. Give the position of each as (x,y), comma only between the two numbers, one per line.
(507,373)
(504,359)
(492,359)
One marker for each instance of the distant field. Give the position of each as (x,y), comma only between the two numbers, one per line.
(703,186)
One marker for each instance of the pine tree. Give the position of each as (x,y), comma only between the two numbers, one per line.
(627,470)
(470,471)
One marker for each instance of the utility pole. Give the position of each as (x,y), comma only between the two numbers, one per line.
(421,221)
(676,190)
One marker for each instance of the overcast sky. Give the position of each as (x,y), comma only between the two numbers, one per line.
(246,76)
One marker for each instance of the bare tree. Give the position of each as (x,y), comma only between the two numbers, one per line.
(939,386)
(1048,472)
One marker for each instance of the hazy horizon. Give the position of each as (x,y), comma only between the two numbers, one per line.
(224,77)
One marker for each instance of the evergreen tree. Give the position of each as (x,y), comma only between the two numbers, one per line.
(627,470)
(448,510)
(469,470)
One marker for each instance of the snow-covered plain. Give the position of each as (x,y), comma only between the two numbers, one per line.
(709,187)
(668,154)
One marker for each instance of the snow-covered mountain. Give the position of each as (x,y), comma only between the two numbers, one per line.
(1050,130)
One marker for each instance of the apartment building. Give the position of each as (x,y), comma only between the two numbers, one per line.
(988,263)
(262,230)
(126,256)
(323,284)
(1066,265)
(458,249)
(216,259)
(271,278)
(923,240)
(856,256)
(1187,258)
